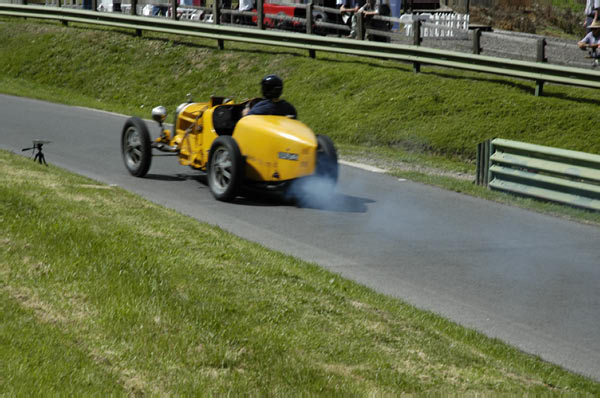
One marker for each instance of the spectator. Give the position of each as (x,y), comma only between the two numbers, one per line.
(245,5)
(383,9)
(591,13)
(159,10)
(365,7)
(591,41)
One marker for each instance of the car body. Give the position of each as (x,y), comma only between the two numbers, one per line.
(264,151)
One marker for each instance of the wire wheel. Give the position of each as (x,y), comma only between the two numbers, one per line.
(225,169)
(135,147)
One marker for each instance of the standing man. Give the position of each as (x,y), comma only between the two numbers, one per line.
(591,13)
(246,5)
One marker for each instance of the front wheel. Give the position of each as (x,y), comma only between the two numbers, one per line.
(136,147)
(327,160)
(225,168)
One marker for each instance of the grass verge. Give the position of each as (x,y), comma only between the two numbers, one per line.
(104,292)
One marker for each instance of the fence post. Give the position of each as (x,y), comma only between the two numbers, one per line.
(260,15)
(477,41)
(541,57)
(174,10)
(416,27)
(309,25)
(133,7)
(217,21)
(360,26)
(94,5)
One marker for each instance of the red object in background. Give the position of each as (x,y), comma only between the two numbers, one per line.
(290,11)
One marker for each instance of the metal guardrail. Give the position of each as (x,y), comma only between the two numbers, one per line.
(539,72)
(553,174)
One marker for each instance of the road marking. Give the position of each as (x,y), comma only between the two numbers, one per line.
(363,166)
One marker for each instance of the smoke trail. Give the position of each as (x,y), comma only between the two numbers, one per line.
(313,192)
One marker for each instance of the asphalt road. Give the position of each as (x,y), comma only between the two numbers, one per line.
(528,279)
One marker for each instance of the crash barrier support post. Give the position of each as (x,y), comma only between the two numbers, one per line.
(260,15)
(527,70)
(309,25)
(94,5)
(416,27)
(133,11)
(542,172)
(540,57)
(174,10)
(217,21)
(477,41)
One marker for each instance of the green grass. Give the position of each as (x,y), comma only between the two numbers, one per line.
(355,100)
(102,292)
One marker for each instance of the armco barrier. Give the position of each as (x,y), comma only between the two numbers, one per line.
(539,72)
(553,174)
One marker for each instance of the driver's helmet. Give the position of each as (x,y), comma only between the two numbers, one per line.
(272,86)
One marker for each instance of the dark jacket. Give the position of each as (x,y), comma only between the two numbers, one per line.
(273,107)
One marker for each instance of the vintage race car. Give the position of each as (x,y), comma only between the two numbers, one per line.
(263,151)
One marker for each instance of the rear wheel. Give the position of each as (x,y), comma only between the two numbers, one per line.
(136,147)
(327,160)
(225,168)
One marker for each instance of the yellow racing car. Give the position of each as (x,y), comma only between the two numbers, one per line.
(263,151)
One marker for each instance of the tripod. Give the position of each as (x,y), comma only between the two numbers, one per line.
(39,155)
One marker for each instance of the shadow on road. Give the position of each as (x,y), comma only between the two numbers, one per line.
(172,177)
(318,197)
(335,202)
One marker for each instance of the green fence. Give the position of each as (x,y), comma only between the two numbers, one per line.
(553,174)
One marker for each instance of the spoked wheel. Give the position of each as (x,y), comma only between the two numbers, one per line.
(327,160)
(225,168)
(136,147)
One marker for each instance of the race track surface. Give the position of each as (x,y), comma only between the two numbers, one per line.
(528,279)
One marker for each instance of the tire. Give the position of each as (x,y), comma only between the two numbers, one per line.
(135,147)
(225,168)
(327,160)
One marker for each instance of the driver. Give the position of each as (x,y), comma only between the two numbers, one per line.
(272,86)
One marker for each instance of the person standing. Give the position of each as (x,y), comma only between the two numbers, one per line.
(245,5)
(591,13)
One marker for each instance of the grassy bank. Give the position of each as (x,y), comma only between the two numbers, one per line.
(356,101)
(103,292)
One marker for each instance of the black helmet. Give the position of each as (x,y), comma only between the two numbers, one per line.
(272,86)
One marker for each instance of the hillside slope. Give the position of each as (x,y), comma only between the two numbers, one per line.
(355,100)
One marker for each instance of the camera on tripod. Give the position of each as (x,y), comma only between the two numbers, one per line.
(37,149)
